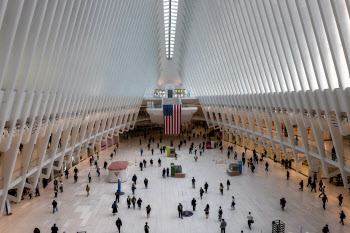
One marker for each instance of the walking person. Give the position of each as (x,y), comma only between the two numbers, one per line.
(223,225)
(233,203)
(66,172)
(54,206)
(114,207)
(37,193)
(283,203)
(128,202)
(148,211)
(133,187)
(117,196)
(313,186)
(228,184)
(301,184)
(167,172)
(159,162)
(267,166)
(61,186)
(133,201)
(193,183)
(309,181)
(89,177)
(145,182)
(288,175)
(179,209)
(141,150)
(206,186)
(206,210)
(119,224)
(325,229)
(201,191)
(220,213)
(340,199)
(54,228)
(342,217)
(139,203)
(221,189)
(324,200)
(87,190)
(194,203)
(164,172)
(146,227)
(250,220)
(141,166)
(134,178)
(323,189)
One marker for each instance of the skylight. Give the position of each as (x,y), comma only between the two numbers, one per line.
(170,16)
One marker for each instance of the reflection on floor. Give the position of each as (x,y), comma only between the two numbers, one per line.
(259,193)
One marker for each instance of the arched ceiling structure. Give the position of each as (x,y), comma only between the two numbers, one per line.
(76,71)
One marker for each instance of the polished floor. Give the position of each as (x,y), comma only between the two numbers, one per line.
(259,193)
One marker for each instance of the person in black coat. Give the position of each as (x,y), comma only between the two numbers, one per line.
(194,203)
(179,209)
(119,224)
(342,217)
(54,228)
(36,230)
(325,229)
(206,186)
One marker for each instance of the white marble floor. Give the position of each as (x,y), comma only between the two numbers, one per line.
(259,193)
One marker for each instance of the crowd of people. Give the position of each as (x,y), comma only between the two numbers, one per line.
(185,138)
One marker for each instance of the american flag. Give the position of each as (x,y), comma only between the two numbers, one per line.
(172,118)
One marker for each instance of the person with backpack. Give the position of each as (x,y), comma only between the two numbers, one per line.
(220,213)
(119,224)
(342,217)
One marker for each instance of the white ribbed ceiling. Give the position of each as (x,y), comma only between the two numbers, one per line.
(110,47)
(264,46)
